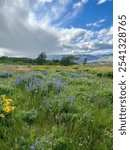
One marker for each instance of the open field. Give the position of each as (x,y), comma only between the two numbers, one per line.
(55,107)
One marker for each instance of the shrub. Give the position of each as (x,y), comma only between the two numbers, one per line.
(5,89)
(109,74)
(5,74)
(29,116)
(99,75)
(61,144)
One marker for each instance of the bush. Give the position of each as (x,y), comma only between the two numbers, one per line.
(5,89)
(5,74)
(106,74)
(99,75)
(61,144)
(109,74)
(29,116)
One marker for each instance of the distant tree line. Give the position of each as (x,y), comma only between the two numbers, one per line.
(42,60)
(15,60)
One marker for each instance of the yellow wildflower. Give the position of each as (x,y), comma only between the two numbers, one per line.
(6,109)
(13,108)
(3,97)
(2,115)
(7,101)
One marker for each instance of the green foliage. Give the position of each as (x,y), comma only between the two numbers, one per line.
(108,74)
(61,144)
(5,74)
(5,89)
(68,60)
(29,116)
(85,61)
(41,59)
(15,60)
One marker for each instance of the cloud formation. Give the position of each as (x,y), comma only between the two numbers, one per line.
(102,1)
(96,24)
(83,41)
(30,27)
(79,4)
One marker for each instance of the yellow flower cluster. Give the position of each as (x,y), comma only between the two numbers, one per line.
(49,68)
(74,68)
(5,106)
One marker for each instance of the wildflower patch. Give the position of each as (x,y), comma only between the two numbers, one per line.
(6,106)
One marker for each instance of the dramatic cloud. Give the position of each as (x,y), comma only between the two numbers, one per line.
(30,27)
(79,41)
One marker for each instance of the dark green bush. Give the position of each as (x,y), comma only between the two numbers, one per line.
(4,89)
(61,144)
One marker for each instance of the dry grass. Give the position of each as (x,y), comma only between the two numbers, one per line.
(14,68)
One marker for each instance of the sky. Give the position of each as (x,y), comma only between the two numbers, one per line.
(29,27)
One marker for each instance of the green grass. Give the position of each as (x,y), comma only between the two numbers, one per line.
(73,112)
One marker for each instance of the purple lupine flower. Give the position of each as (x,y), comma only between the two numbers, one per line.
(85,115)
(37,143)
(22,140)
(58,83)
(57,98)
(19,80)
(32,147)
(47,104)
(71,98)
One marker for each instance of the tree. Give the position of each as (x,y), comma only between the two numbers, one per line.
(68,60)
(41,59)
(85,61)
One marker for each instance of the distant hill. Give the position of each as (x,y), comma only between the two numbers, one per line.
(106,58)
(103,60)
(91,58)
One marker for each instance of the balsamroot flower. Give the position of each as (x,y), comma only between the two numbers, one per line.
(6,106)
(2,115)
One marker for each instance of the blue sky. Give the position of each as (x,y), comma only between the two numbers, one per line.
(56,27)
(93,13)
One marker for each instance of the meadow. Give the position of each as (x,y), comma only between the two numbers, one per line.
(56,107)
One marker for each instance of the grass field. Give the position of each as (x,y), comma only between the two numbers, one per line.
(55,107)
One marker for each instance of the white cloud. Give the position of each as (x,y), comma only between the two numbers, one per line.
(102,1)
(83,41)
(23,33)
(45,1)
(96,24)
(79,4)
